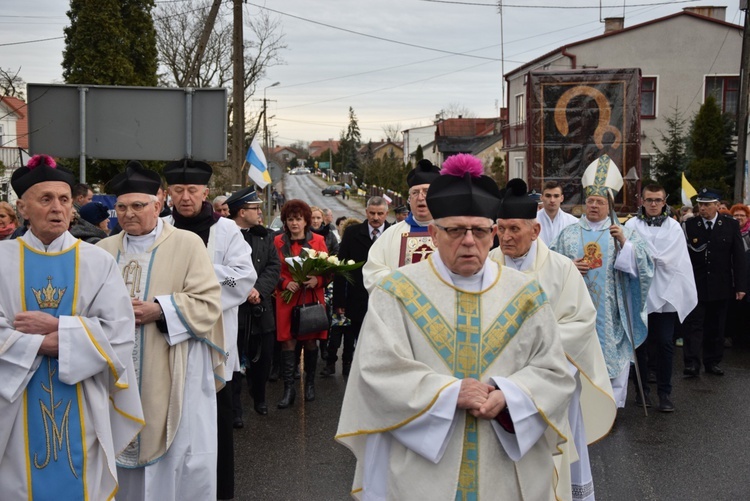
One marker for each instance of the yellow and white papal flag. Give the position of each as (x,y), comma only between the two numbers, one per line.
(687,192)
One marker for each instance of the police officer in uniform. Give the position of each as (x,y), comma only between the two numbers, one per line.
(717,255)
(257,325)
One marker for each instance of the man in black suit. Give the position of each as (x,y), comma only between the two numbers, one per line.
(717,255)
(351,299)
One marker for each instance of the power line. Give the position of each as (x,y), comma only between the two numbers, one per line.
(463,54)
(523,6)
(30,41)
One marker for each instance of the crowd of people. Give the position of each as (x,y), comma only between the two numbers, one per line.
(487,339)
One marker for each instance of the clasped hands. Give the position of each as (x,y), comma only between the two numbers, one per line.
(42,324)
(482,400)
(145,311)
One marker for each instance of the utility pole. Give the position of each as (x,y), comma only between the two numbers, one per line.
(191,77)
(238,94)
(739,172)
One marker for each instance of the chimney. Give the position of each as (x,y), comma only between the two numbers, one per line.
(612,24)
(718,13)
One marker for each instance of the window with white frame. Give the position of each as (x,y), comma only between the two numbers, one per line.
(648,97)
(520,109)
(519,168)
(726,91)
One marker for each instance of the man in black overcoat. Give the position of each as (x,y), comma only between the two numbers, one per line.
(349,299)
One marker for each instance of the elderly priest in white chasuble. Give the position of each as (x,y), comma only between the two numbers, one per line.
(460,387)
(69,396)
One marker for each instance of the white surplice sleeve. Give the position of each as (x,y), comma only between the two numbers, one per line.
(18,358)
(233,264)
(528,424)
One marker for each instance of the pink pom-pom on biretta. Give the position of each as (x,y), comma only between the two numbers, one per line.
(459,165)
(38,160)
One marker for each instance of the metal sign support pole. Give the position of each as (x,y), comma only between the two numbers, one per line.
(82,121)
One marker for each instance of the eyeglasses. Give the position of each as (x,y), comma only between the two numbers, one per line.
(478,232)
(596,201)
(253,207)
(135,206)
(653,201)
(416,193)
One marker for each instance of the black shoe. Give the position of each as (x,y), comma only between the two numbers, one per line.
(715,370)
(665,404)
(238,423)
(311,365)
(328,370)
(261,408)
(639,403)
(691,371)
(346,368)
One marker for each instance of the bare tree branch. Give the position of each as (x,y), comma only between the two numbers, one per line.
(11,84)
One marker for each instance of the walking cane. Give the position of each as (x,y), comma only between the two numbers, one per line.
(623,291)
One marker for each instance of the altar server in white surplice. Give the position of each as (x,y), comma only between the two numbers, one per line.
(459,386)
(179,355)
(552,219)
(592,409)
(69,396)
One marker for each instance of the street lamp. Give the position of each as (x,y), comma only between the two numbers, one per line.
(265,144)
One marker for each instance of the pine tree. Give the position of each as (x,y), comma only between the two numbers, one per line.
(419,154)
(110,42)
(351,140)
(709,136)
(671,162)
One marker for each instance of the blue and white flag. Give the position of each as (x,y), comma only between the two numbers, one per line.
(258,171)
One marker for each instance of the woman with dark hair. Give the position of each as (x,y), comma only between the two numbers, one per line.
(296,235)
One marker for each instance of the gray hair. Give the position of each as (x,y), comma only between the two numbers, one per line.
(327,212)
(376,200)
(221,200)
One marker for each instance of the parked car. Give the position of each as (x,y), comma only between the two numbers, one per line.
(334,189)
(276,224)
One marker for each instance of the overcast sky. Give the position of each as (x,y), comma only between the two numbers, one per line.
(326,69)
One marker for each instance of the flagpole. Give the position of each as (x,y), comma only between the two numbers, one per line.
(629,324)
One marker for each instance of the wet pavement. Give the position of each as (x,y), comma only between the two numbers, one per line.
(699,452)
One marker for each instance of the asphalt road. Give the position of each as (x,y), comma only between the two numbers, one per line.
(308,187)
(699,452)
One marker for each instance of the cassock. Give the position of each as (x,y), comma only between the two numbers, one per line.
(550,228)
(63,420)
(174,457)
(631,269)
(673,286)
(385,253)
(592,410)
(422,335)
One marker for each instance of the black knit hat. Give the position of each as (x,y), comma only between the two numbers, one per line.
(516,203)
(188,171)
(135,179)
(423,173)
(40,168)
(462,190)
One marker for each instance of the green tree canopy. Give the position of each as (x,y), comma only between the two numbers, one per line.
(710,142)
(671,162)
(110,42)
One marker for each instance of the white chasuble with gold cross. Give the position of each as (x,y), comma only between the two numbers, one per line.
(421,337)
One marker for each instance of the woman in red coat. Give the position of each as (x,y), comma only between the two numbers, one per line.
(296,216)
